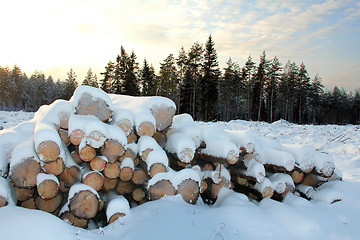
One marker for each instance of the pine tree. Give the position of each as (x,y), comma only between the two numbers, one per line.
(272,86)
(70,84)
(258,88)
(90,79)
(148,79)
(303,88)
(182,63)
(195,63)
(108,77)
(209,82)
(248,77)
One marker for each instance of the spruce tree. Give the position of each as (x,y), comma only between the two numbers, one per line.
(105,84)
(248,78)
(90,79)
(70,84)
(131,85)
(120,72)
(148,80)
(272,87)
(168,79)
(209,82)
(258,88)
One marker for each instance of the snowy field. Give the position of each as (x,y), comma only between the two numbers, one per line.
(233,216)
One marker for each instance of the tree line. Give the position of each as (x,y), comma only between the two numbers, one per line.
(267,91)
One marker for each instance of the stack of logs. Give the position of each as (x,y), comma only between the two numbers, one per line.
(83,155)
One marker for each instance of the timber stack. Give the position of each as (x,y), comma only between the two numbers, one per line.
(93,157)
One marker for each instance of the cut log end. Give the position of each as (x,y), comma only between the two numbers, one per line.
(84,204)
(125,125)
(48,151)
(163,116)
(23,194)
(49,205)
(109,184)
(94,180)
(56,167)
(87,153)
(48,189)
(124,188)
(126,174)
(24,174)
(112,150)
(75,221)
(115,217)
(76,136)
(98,164)
(3,201)
(146,128)
(139,176)
(112,170)
(89,105)
(138,194)
(160,189)
(189,190)
(156,168)
(29,204)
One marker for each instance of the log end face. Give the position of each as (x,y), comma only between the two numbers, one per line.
(48,151)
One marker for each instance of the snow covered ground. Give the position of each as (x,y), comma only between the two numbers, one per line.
(233,216)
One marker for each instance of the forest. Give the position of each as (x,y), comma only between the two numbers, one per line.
(267,91)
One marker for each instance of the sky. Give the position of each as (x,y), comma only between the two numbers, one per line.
(54,36)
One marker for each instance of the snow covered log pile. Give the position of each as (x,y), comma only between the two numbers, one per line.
(91,158)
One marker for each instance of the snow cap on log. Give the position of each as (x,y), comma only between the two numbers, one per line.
(276,157)
(304,156)
(147,105)
(92,101)
(254,169)
(324,164)
(78,187)
(181,145)
(176,177)
(280,181)
(124,119)
(22,152)
(43,176)
(118,204)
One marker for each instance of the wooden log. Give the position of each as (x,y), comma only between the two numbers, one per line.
(160,189)
(24,174)
(55,167)
(156,168)
(48,189)
(49,205)
(76,156)
(126,125)
(304,191)
(311,180)
(203,186)
(87,153)
(75,221)
(48,151)
(129,153)
(29,204)
(215,187)
(132,137)
(3,201)
(109,184)
(124,188)
(127,169)
(117,207)
(112,150)
(90,105)
(98,163)
(76,136)
(163,116)
(70,176)
(96,139)
(94,179)
(84,204)
(145,128)
(139,177)
(160,138)
(64,119)
(138,194)
(23,194)
(115,217)
(112,170)
(64,135)
(297,175)
(189,190)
